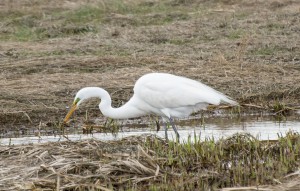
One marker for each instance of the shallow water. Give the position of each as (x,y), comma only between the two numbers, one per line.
(262,127)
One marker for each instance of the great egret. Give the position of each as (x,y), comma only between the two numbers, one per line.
(162,94)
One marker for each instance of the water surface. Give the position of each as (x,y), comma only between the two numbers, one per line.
(262,127)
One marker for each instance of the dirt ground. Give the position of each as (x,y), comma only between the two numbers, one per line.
(51,49)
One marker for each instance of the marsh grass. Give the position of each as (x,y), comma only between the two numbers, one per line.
(49,51)
(150,163)
(239,160)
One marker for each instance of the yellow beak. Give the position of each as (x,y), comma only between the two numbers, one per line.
(73,108)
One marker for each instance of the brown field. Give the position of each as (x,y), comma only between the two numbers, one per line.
(49,50)
(250,50)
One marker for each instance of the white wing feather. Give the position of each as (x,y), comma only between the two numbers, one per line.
(168,91)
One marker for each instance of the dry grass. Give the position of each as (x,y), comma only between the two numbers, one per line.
(50,50)
(149,163)
(248,51)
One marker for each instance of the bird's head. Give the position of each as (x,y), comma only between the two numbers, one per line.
(80,96)
(74,106)
(83,94)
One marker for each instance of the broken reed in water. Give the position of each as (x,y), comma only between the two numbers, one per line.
(150,163)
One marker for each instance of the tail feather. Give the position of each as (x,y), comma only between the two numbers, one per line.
(228,100)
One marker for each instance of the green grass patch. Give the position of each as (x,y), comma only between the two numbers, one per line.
(84,14)
(235,34)
(241,15)
(38,25)
(268,50)
(24,33)
(240,160)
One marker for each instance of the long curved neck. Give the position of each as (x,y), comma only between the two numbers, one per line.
(128,110)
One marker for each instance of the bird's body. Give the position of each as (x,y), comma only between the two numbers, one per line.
(162,94)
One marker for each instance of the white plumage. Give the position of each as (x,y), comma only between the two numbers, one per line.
(162,94)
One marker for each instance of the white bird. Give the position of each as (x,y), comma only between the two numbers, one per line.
(162,94)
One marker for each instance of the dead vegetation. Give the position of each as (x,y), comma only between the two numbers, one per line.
(49,50)
(149,163)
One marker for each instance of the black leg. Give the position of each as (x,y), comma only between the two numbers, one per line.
(174,128)
(166,130)
(157,125)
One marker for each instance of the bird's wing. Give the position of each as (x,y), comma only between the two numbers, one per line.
(166,94)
